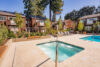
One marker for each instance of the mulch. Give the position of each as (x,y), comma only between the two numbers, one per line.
(2,50)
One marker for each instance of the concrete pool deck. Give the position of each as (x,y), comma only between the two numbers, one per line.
(28,54)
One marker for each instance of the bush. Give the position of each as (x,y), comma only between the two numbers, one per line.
(20,35)
(53,32)
(3,33)
(43,34)
(26,34)
(37,34)
(32,34)
(11,34)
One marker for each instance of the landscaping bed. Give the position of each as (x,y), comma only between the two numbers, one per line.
(30,38)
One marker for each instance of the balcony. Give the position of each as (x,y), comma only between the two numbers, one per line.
(12,22)
(41,24)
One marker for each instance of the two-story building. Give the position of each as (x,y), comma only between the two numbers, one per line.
(7,18)
(68,24)
(36,24)
(89,20)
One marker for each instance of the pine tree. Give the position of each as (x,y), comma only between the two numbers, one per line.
(28,8)
(56,7)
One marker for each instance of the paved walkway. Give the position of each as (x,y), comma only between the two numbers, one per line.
(27,54)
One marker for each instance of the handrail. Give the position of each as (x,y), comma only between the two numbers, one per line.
(56,57)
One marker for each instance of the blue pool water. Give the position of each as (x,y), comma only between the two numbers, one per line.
(92,38)
(64,50)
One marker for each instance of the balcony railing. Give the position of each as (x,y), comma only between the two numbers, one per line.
(41,24)
(12,22)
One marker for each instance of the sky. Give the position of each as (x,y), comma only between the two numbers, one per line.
(69,5)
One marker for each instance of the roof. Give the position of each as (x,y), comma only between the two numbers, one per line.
(7,13)
(90,16)
(39,17)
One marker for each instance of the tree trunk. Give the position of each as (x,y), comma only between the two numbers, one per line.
(54,16)
(50,10)
(19,29)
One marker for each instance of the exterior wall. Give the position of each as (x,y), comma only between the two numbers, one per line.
(89,23)
(36,25)
(68,24)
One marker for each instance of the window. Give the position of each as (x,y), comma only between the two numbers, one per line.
(11,18)
(2,18)
(88,28)
(41,21)
(37,20)
(95,19)
(83,20)
(90,21)
(41,24)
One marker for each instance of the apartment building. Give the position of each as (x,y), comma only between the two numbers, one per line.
(7,18)
(36,24)
(68,24)
(89,20)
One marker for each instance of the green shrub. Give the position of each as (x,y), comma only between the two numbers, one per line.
(53,32)
(3,33)
(20,35)
(32,34)
(11,34)
(43,34)
(26,34)
(38,34)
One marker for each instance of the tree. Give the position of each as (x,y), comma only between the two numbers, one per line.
(98,10)
(48,26)
(80,26)
(72,15)
(75,14)
(60,24)
(87,10)
(19,21)
(56,6)
(95,26)
(34,7)
(28,8)
(38,7)
(74,26)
